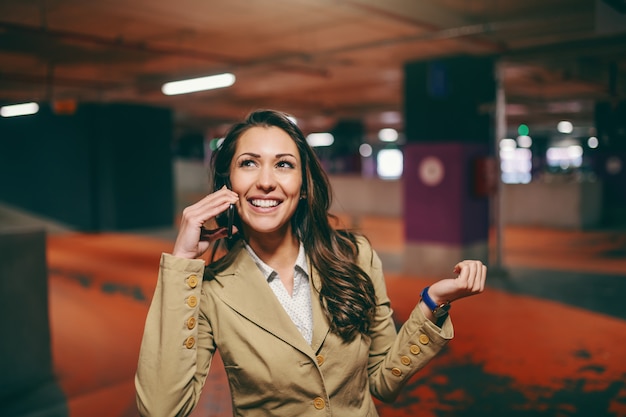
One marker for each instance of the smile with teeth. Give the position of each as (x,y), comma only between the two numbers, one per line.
(264,203)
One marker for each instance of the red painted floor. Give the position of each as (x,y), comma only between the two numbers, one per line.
(513,355)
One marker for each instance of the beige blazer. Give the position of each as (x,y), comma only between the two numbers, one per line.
(272,370)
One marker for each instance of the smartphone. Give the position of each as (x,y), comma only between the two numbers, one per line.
(230,215)
(231,219)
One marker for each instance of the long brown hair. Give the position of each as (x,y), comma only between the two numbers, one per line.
(346,292)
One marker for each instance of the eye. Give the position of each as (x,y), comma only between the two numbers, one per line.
(246,163)
(285,164)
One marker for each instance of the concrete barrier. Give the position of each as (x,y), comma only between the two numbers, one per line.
(27,382)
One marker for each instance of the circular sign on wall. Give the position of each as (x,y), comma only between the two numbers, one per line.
(431,171)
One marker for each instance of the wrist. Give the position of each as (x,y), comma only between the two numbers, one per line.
(438,308)
(184,254)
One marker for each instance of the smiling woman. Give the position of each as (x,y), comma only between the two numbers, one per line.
(266,174)
(298,310)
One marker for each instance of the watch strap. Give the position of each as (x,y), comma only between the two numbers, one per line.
(439,310)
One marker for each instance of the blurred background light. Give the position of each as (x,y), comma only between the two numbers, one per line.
(524,141)
(215,143)
(592,142)
(508,144)
(515,163)
(613,165)
(365,150)
(320,139)
(523,130)
(193,85)
(565,127)
(565,157)
(23,109)
(388,135)
(391,117)
(389,164)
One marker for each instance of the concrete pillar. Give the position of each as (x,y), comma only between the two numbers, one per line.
(449,129)
(27,383)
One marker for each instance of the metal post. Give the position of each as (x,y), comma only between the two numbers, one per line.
(500,130)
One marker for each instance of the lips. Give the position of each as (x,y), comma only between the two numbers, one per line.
(261,203)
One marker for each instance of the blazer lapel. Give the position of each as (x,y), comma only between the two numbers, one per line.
(321,326)
(244,288)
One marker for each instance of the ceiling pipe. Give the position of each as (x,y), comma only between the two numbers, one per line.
(120,43)
(495,47)
(61,81)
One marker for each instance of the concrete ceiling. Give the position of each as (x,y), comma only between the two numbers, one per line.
(320,60)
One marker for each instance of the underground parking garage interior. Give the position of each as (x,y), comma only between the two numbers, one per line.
(449,130)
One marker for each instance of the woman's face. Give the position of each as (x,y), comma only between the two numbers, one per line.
(266,173)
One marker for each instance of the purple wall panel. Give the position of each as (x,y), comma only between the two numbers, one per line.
(439,201)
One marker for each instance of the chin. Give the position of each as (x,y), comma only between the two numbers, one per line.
(270,228)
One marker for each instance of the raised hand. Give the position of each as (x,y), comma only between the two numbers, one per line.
(470,280)
(193,239)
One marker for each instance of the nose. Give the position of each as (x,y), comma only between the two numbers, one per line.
(266,180)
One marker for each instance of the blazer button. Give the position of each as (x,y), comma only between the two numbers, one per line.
(191,323)
(192,281)
(424,339)
(415,349)
(406,361)
(192,301)
(319,403)
(396,372)
(320,360)
(190,342)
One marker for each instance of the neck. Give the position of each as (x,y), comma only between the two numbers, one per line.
(276,250)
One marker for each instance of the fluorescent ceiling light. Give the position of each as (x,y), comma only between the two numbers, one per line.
(198,84)
(19,109)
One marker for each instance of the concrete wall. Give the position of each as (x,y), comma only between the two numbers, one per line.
(359,196)
(570,205)
(567,205)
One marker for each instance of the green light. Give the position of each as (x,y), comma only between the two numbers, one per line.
(214,144)
(523,130)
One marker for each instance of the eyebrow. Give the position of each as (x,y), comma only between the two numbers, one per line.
(255,155)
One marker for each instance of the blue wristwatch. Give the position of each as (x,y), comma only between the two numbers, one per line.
(439,310)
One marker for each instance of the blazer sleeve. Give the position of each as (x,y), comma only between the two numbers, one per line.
(177,345)
(396,356)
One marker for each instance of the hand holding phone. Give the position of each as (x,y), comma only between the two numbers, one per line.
(225,219)
(205,234)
